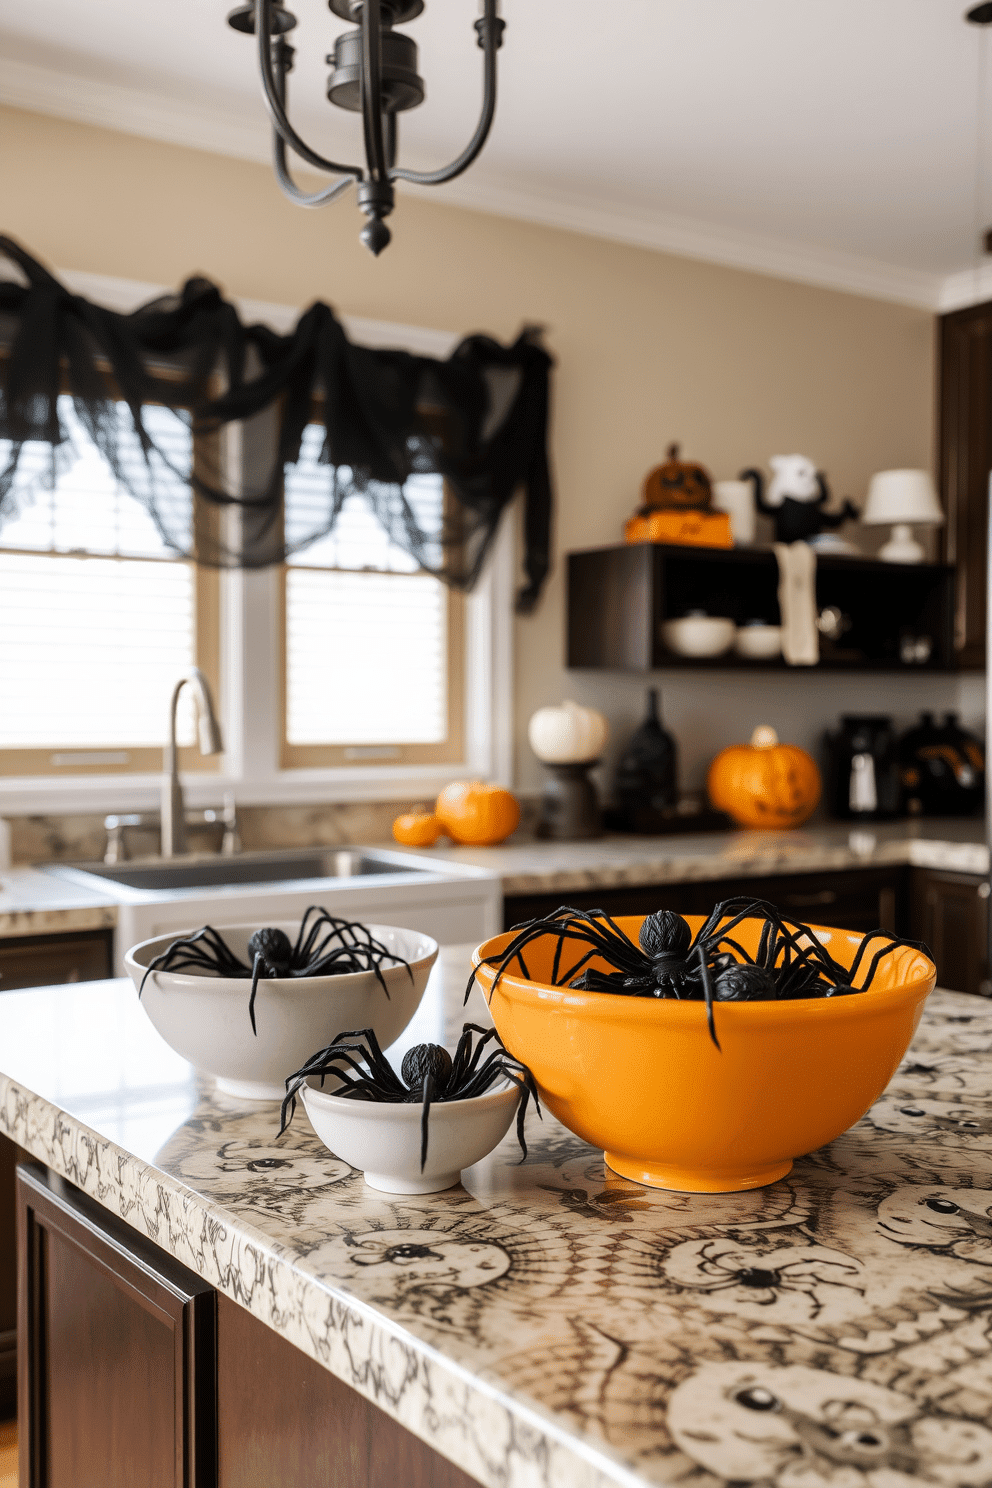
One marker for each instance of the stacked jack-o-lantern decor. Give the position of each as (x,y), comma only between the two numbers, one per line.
(676,507)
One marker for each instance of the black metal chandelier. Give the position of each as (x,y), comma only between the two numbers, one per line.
(374,73)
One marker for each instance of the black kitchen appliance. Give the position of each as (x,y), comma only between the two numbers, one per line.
(863,774)
(943,768)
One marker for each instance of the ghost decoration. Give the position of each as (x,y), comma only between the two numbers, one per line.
(796,497)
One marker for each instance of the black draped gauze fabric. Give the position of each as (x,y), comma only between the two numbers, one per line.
(478,418)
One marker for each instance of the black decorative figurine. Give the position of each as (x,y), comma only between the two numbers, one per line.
(796,497)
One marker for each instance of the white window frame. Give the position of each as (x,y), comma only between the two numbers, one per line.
(250,661)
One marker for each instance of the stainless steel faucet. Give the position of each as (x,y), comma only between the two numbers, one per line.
(208,731)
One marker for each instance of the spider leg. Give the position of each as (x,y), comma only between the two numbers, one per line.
(463,1052)
(256,971)
(428,1092)
(378,1061)
(708,995)
(472,1062)
(527,1089)
(344,953)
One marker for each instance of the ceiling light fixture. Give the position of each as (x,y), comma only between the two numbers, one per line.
(374,73)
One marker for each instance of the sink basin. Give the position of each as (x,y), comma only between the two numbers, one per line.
(247,868)
(451,902)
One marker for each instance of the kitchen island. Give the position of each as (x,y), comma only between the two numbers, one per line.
(547,1323)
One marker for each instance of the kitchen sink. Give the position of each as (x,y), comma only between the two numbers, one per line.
(247,868)
(453,902)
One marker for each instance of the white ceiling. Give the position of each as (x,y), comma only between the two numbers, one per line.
(832,141)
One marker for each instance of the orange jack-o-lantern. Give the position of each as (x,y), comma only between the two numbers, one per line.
(764,783)
(678,485)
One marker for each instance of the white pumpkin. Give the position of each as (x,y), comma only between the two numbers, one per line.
(568,735)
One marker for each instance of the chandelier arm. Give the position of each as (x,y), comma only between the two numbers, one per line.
(277,113)
(375,144)
(491,28)
(289,186)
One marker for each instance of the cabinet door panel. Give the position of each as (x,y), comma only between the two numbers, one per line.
(965,461)
(287,1423)
(115,1351)
(50,960)
(950,913)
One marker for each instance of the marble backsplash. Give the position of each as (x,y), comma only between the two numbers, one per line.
(81,836)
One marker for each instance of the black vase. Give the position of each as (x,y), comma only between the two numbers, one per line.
(646,785)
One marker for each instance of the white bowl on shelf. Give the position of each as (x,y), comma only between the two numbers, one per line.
(758,642)
(698,635)
(383,1139)
(205,1018)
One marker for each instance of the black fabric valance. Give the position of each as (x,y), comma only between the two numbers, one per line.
(478,418)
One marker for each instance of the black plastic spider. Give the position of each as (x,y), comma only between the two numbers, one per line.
(429,1074)
(346,947)
(790,963)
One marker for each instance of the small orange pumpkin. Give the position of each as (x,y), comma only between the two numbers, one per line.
(476,813)
(764,783)
(417,829)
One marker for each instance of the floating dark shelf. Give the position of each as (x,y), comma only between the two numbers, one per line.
(618,598)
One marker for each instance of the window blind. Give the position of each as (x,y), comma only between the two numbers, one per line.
(90,648)
(366,633)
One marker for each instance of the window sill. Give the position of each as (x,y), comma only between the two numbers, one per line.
(43,795)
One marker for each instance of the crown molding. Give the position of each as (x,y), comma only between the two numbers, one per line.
(120,107)
(967,287)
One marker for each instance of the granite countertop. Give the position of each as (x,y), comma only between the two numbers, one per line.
(549,1325)
(34,903)
(531,867)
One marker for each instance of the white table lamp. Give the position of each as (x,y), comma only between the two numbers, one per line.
(902,499)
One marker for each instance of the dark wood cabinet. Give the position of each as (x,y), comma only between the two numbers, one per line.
(49,960)
(618,598)
(134,1373)
(287,1423)
(116,1355)
(8,1282)
(950,912)
(861,899)
(965,442)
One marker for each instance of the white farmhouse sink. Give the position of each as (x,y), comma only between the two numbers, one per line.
(452,903)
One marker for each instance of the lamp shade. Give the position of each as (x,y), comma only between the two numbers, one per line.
(902,496)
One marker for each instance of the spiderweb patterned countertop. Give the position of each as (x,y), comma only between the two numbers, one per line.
(550,1325)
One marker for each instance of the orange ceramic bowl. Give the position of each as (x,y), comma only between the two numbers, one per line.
(641,1078)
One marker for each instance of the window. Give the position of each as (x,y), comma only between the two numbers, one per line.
(373,646)
(91,646)
(320,696)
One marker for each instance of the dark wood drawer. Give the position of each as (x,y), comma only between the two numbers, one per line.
(45,960)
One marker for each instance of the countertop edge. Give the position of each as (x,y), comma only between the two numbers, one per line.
(429,1394)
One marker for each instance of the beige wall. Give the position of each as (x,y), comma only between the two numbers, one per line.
(650,348)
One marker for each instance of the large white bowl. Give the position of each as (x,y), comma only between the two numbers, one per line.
(698,635)
(205,1018)
(383,1139)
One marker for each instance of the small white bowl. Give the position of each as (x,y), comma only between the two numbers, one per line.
(205,1018)
(383,1139)
(759,642)
(698,635)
